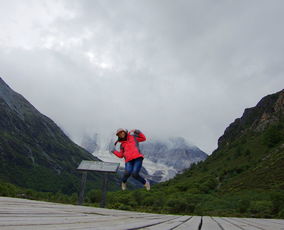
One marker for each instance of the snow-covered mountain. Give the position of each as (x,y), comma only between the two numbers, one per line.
(163,158)
(169,157)
(173,152)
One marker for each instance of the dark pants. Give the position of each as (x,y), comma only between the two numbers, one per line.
(132,168)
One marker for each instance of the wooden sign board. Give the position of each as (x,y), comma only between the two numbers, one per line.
(98,166)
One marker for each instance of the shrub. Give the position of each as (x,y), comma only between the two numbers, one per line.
(149,201)
(277,202)
(281,214)
(94,196)
(208,185)
(272,136)
(261,208)
(177,205)
(8,190)
(138,196)
(244,206)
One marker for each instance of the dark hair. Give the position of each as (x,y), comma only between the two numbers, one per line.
(122,139)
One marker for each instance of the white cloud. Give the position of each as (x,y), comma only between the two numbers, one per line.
(183,68)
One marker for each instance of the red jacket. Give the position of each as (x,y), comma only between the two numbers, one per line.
(129,149)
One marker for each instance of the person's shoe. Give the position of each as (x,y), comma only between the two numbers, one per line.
(123,186)
(147,185)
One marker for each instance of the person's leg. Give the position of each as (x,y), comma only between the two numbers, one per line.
(137,165)
(128,171)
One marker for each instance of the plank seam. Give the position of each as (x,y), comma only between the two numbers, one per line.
(233,224)
(150,225)
(200,224)
(182,222)
(217,223)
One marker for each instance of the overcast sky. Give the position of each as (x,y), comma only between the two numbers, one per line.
(168,67)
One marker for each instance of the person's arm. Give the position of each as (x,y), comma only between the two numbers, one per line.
(139,135)
(118,153)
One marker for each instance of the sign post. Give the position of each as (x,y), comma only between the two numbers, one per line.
(104,190)
(97,166)
(82,188)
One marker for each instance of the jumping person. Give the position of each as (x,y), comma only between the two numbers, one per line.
(129,150)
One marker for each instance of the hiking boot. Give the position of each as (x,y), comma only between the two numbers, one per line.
(147,185)
(123,186)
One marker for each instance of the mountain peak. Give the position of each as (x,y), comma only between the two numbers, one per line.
(5,90)
(16,101)
(268,110)
(2,81)
(179,142)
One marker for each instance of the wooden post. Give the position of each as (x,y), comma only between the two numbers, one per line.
(82,188)
(104,189)
(98,166)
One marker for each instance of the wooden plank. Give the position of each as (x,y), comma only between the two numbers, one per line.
(141,223)
(209,224)
(21,214)
(30,220)
(192,224)
(43,215)
(124,222)
(227,225)
(263,223)
(169,224)
(241,225)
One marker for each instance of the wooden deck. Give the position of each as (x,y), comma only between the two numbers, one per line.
(36,215)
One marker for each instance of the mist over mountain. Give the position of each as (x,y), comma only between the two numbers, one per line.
(163,158)
(90,143)
(174,152)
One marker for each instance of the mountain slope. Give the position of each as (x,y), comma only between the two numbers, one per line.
(34,152)
(252,147)
(243,177)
